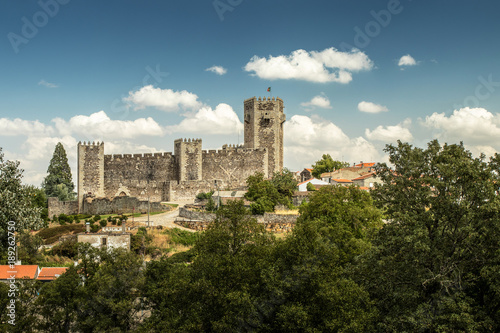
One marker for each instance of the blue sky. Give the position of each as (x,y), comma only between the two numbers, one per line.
(354,75)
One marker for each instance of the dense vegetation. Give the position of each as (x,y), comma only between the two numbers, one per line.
(58,182)
(418,254)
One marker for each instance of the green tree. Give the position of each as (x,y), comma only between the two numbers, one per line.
(267,193)
(310,187)
(219,291)
(327,164)
(58,182)
(15,203)
(435,263)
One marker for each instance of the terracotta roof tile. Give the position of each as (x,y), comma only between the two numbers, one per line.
(19,272)
(51,273)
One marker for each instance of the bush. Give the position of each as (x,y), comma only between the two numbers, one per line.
(310,187)
(203,196)
(94,228)
(96,218)
(103,223)
(67,248)
(182,237)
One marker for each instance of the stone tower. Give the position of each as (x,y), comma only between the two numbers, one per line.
(188,156)
(264,120)
(90,170)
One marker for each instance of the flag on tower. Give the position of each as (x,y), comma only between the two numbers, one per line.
(269,89)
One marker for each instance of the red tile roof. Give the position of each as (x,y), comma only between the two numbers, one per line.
(342,180)
(368,175)
(51,273)
(18,271)
(364,165)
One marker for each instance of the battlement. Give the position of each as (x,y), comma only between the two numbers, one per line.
(238,149)
(138,156)
(187,140)
(264,99)
(90,144)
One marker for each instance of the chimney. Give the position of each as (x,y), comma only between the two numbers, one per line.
(87,227)
(124,226)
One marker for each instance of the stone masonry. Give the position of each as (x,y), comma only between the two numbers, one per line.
(190,169)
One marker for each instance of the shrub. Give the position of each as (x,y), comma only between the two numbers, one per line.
(182,237)
(103,223)
(94,228)
(97,218)
(67,248)
(202,195)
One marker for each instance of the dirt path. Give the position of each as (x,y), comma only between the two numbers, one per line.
(165,219)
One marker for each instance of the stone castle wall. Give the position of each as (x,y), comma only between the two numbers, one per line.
(57,207)
(138,175)
(233,165)
(121,205)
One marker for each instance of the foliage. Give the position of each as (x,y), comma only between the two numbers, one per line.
(310,187)
(210,205)
(327,164)
(51,235)
(28,248)
(67,248)
(140,242)
(266,194)
(15,202)
(434,265)
(98,295)
(58,183)
(183,237)
(203,195)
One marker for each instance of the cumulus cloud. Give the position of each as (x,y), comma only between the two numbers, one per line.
(329,65)
(371,107)
(307,138)
(407,60)
(47,84)
(162,99)
(219,70)
(319,101)
(390,134)
(18,126)
(472,125)
(221,120)
(99,126)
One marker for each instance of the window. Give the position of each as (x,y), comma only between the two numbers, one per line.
(104,241)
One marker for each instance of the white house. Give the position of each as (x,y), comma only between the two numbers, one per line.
(314,181)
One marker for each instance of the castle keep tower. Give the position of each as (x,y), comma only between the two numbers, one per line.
(90,170)
(264,120)
(188,157)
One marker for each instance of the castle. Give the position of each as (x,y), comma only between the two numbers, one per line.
(189,170)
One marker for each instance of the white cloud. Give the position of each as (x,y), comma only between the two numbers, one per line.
(307,138)
(389,134)
(219,70)
(407,60)
(162,99)
(99,126)
(371,107)
(23,127)
(472,125)
(329,65)
(47,84)
(319,101)
(222,120)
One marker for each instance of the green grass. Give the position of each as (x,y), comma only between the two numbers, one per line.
(170,204)
(182,237)
(51,235)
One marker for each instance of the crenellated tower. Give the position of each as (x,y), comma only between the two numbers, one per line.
(188,157)
(90,170)
(264,120)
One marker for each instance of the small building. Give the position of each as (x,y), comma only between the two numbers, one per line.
(110,240)
(51,273)
(306,174)
(226,196)
(303,186)
(367,180)
(18,272)
(340,181)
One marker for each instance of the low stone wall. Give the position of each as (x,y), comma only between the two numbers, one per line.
(56,207)
(121,205)
(199,220)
